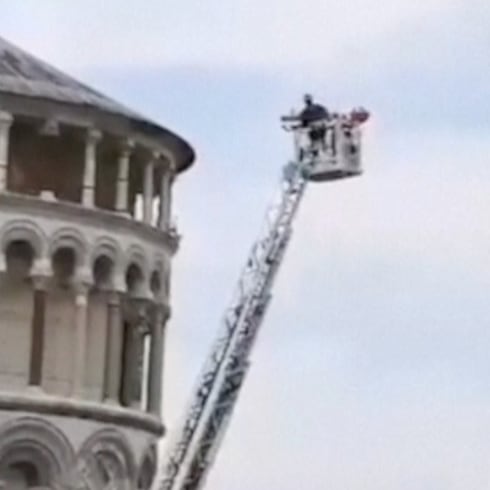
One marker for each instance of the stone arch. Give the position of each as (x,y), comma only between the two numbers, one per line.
(106,456)
(147,468)
(19,257)
(106,262)
(68,252)
(157,278)
(37,445)
(26,231)
(137,271)
(107,246)
(70,238)
(136,254)
(160,263)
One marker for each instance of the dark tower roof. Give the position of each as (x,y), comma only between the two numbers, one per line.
(25,75)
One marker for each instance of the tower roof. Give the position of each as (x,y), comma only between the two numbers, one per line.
(25,75)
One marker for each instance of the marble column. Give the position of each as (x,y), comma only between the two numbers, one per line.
(133,358)
(6,120)
(140,334)
(38,330)
(80,339)
(155,372)
(90,171)
(148,190)
(123,176)
(114,346)
(167,177)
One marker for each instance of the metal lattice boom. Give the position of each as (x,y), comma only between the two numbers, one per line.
(192,452)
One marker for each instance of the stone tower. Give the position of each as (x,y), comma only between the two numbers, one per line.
(86,243)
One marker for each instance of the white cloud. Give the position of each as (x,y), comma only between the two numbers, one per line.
(428,201)
(242,33)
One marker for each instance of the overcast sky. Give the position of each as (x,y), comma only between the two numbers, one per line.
(373,369)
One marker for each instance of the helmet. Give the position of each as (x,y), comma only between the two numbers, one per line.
(308,98)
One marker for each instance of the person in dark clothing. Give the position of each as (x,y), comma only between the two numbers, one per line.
(312,112)
(313,117)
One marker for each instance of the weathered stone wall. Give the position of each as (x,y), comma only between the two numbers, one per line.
(15,333)
(59,346)
(16,301)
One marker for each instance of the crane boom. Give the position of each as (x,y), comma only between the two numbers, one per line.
(193,450)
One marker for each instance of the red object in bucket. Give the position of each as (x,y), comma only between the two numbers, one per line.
(359,116)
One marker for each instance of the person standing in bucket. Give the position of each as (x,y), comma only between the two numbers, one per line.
(313,116)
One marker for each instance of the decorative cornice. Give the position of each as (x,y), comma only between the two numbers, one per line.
(43,404)
(98,218)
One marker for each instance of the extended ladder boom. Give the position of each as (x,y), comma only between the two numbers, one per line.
(226,367)
(192,452)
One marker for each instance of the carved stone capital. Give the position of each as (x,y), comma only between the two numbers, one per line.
(119,284)
(93,136)
(81,290)
(126,147)
(168,164)
(40,282)
(114,298)
(136,310)
(82,280)
(162,312)
(156,156)
(6,120)
(42,267)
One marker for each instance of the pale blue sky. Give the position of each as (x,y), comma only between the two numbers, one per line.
(372,372)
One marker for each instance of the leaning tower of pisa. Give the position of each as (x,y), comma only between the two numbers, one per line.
(86,244)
